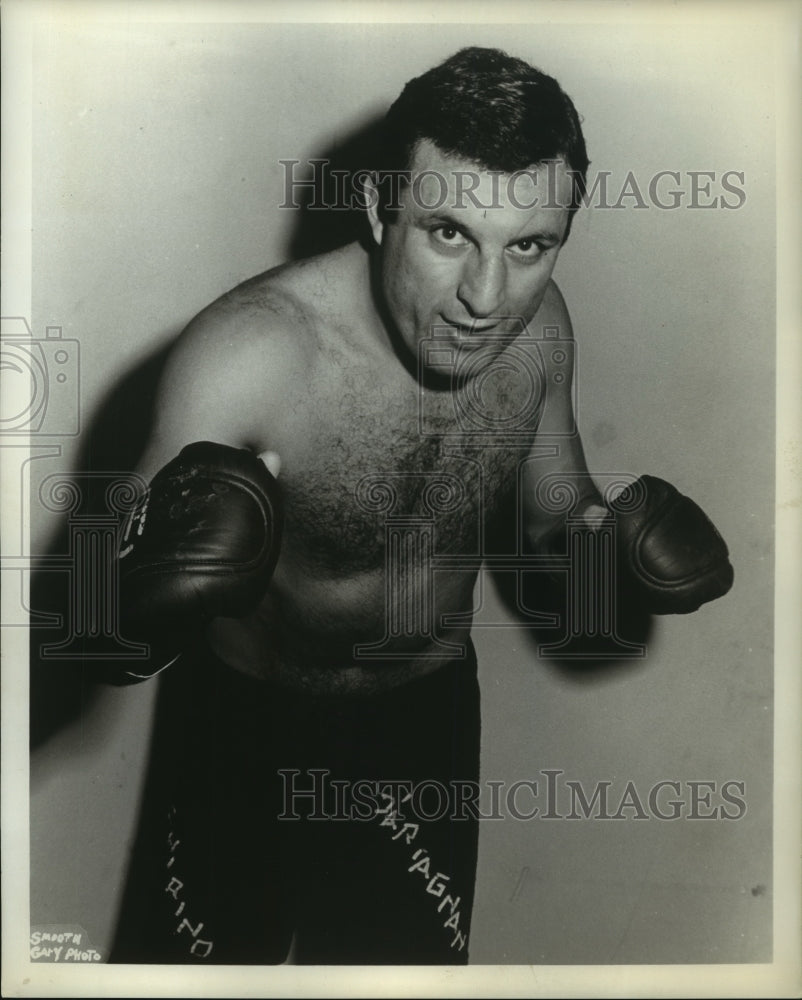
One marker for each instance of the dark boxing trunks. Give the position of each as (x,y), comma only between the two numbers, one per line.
(348,826)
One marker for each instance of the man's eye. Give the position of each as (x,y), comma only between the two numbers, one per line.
(449,235)
(526,248)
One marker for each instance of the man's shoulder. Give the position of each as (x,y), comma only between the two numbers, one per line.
(551,322)
(241,348)
(261,319)
(553,312)
(263,338)
(283,307)
(263,308)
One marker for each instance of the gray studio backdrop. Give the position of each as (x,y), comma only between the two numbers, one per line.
(156,189)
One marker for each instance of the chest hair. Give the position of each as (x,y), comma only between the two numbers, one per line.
(374,456)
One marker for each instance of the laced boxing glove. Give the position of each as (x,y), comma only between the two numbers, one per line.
(202,543)
(669,557)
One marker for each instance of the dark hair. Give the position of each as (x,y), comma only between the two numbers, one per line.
(489,108)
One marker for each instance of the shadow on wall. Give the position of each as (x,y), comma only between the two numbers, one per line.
(329,213)
(65,689)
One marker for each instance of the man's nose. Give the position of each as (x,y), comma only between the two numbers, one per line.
(481,288)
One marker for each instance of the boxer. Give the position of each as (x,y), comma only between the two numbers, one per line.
(297,417)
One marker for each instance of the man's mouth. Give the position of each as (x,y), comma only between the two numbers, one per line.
(467,330)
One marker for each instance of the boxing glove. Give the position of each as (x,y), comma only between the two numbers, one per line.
(202,543)
(668,556)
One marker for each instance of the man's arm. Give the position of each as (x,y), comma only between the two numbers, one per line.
(203,541)
(669,558)
(557,455)
(208,388)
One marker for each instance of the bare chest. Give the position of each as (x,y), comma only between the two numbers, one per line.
(368,459)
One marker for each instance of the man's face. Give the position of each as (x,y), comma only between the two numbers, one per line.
(469,254)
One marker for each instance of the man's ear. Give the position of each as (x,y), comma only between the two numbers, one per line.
(372,207)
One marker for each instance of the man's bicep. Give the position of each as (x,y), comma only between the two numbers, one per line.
(556,467)
(555,477)
(201,396)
